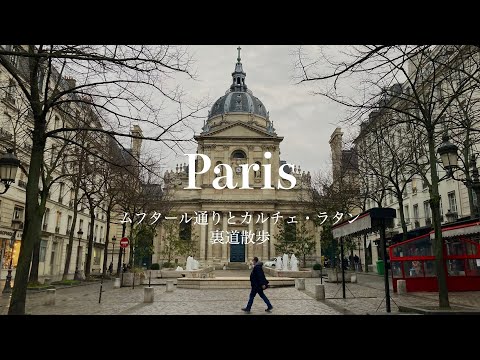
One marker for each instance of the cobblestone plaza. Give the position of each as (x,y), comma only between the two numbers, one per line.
(365,297)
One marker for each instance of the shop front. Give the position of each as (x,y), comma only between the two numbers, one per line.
(414,261)
(7,253)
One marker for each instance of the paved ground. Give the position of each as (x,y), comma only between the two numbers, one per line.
(365,297)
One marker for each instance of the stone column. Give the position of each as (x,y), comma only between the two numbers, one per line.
(209,258)
(272,236)
(202,229)
(225,236)
(249,248)
(318,244)
(265,244)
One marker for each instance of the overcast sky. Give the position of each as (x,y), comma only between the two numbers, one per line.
(304,120)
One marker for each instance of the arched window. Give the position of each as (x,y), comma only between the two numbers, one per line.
(239,154)
(258,174)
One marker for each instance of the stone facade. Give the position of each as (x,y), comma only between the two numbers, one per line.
(236,135)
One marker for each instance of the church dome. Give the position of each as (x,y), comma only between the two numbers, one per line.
(238,97)
(238,101)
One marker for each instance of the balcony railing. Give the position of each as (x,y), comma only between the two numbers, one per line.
(22,184)
(57,230)
(417,224)
(44,227)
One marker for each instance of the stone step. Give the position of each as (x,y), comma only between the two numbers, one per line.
(237,266)
(230,283)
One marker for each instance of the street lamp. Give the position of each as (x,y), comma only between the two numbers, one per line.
(8,169)
(77,268)
(113,243)
(449,155)
(16,224)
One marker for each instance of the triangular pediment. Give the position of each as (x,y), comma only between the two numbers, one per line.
(239,129)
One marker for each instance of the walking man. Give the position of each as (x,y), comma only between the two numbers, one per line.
(259,283)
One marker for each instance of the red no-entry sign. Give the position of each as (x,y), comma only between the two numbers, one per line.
(124,242)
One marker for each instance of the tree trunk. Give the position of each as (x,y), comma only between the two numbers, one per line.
(74,224)
(33,278)
(466,155)
(33,220)
(365,252)
(107,237)
(438,241)
(120,253)
(132,246)
(402,218)
(36,246)
(90,242)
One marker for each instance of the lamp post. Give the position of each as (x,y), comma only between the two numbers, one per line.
(77,275)
(16,224)
(8,169)
(449,155)
(113,243)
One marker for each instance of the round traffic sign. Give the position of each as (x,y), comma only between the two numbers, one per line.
(124,242)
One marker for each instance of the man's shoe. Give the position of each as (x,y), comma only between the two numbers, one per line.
(269,309)
(246,310)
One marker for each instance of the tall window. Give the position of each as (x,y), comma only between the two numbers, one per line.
(452,201)
(43,250)
(95,236)
(415,212)
(406,213)
(80,226)
(426,209)
(101,234)
(60,194)
(18,213)
(69,224)
(441,209)
(46,217)
(52,255)
(56,125)
(57,222)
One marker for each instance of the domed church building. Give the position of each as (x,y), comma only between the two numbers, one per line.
(243,214)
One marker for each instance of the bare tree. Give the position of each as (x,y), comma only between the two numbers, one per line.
(117,82)
(422,71)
